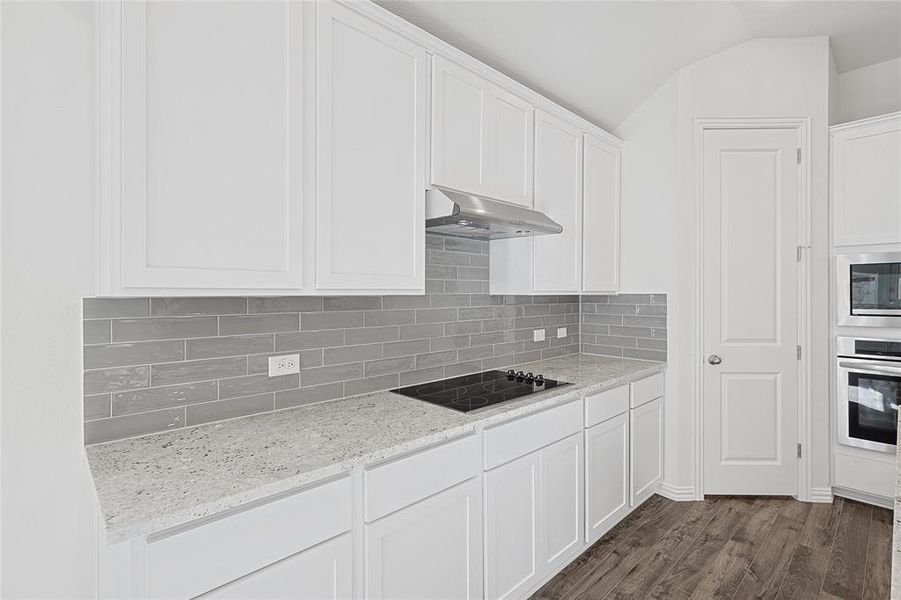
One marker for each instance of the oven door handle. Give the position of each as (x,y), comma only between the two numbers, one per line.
(871,366)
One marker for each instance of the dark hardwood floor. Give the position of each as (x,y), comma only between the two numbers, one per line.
(736,547)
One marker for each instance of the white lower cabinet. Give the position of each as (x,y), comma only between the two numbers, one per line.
(533,510)
(431,549)
(646,450)
(606,475)
(320,573)
(561,502)
(511,527)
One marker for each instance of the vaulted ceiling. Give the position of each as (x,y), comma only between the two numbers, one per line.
(602,59)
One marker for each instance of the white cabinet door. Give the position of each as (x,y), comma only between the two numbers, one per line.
(510,148)
(460,102)
(561,502)
(482,135)
(370,154)
(600,214)
(557,259)
(211,145)
(511,527)
(606,475)
(320,573)
(866,181)
(432,549)
(645,450)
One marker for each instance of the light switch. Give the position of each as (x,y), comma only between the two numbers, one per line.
(561,332)
(538,335)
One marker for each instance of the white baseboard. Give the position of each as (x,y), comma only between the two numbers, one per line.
(864,497)
(820,495)
(679,493)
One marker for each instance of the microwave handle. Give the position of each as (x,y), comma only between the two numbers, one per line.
(871,366)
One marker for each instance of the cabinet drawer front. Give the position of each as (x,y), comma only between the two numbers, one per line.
(606,405)
(314,574)
(512,440)
(397,484)
(193,561)
(645,390)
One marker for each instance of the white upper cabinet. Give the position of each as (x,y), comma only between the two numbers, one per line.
(557,259)
(866,181)
(205,120)
(371,95)
(600,214)
(510,147)
(482,136)
(459,104)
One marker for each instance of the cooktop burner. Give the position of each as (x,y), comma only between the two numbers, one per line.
(479,390)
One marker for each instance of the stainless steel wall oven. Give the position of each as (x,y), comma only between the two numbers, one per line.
(869,392)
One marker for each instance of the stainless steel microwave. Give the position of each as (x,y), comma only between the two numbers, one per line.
(869,289)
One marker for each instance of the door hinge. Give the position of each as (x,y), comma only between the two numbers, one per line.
(799,156)
(799,450)
(798,350)
(798,253)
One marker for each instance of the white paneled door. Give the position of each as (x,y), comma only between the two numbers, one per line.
(749,191)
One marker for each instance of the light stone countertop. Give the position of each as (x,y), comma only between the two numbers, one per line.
(155,482)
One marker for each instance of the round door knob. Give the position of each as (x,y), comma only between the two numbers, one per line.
(713,359)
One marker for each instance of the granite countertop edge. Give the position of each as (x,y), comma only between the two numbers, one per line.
(136,528)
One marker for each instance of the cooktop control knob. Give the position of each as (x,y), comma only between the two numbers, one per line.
(530,377)
(539,380)
(511,374)
(520,376)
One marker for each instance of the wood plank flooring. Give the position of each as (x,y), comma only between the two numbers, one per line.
(736,547)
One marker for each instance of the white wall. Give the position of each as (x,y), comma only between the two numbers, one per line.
(649,209)
(869,91)
(760,78)
(48,518)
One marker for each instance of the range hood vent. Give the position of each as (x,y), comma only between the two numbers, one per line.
(450,212)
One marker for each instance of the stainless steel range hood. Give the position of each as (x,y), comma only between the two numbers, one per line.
(465,215)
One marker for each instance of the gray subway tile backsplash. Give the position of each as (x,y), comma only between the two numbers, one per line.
(625,325)
(198,370)
(154,364)
(114,428)
(229,345)
(99,308)
(98,356)
(163,328)
(209,305)
(167,396)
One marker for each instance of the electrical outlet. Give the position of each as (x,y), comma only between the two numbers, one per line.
(286,364)
(538,335)
(561,332)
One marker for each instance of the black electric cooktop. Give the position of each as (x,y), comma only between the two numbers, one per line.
(479,390)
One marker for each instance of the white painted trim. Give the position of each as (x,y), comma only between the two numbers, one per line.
(888,117)
(864,497)
(803,127)
(821,495)
(679,493)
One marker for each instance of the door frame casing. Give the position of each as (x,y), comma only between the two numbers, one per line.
(802,126)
